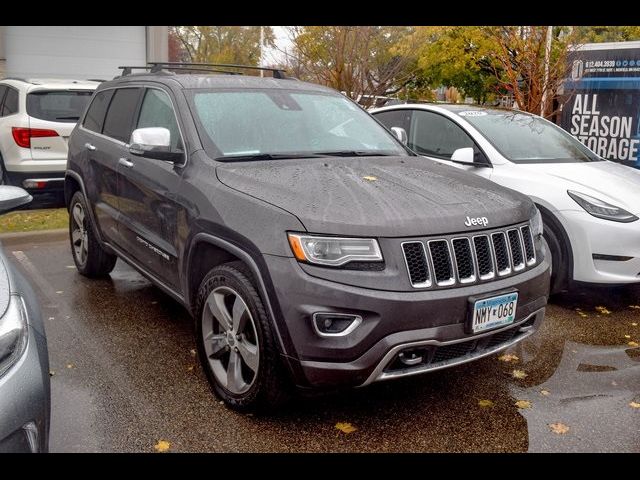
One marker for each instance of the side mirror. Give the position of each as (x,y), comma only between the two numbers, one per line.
(153,142)
(400,133)
(12,198)
(463,155)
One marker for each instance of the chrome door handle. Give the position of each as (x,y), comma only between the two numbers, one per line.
(125,163)
(90,147)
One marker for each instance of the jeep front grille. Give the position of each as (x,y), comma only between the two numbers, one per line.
(465,259)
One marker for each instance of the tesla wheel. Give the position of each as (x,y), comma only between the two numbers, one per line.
(90,258)
(235,343)
(559,259)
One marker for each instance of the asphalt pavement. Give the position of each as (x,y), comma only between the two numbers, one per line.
(125,379)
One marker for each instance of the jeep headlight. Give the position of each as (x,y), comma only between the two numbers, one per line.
(334,251)
(13,333)
(536,224)
(601,209)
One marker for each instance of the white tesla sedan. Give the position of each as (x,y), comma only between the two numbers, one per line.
(589,206)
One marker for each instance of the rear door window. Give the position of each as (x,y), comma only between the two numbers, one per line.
(94,119)
(3,90)
(58,105)
(10,105)
(119,120)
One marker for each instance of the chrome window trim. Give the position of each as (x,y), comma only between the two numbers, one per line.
(143,86)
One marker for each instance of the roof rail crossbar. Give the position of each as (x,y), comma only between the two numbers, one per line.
(191,69)
(277,73)
(126,69)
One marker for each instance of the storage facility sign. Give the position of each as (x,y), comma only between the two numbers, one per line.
(602,108)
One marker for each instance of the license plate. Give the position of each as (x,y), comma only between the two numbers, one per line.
(493,312)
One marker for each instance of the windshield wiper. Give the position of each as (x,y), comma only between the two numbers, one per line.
(354,153)
(265,156)
(68,118)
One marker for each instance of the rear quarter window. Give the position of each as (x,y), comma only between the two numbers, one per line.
(94,119)
(10,105)
(122,108)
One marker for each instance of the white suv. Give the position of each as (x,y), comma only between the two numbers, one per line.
(36,118)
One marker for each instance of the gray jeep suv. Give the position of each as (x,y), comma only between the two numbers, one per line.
(313,249)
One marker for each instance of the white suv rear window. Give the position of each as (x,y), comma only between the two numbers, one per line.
(58,105)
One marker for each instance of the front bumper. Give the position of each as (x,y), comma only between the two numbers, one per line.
(390,320)
(24,401)
(590,235)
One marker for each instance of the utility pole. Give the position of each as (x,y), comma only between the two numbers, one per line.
(261,49)
(545,85)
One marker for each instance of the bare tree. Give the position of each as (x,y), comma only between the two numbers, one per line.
(361,61)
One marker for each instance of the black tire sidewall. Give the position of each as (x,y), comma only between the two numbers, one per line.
(227,275)
(558,261)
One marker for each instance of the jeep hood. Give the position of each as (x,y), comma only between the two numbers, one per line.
(377,196)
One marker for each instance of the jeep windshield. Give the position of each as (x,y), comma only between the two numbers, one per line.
(270,124)
(524,138)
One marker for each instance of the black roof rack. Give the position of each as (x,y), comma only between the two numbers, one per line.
(157,66)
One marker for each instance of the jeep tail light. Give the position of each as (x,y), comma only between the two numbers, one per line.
(23,136)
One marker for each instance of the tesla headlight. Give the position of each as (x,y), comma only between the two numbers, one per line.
(334,251)
(602,209)
(13,333)
(536,224)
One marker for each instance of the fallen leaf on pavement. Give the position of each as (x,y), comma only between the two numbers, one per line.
(162,446)
(633,344)
(603,310)
(583,315)
(518,374)
(508,357)
(345,427)
(559,428)
(71,266)
(59,291)
(545,392)
(70,365)
(523,404)
(627,336)
(51,373)
(370,178)
(193,352)
(637,307)
(634,324)
(634,404)
(190,368)
(486,403)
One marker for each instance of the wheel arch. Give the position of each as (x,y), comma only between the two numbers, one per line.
(207,251)
(549,218)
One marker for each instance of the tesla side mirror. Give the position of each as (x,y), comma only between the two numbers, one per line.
(400,133)
(12,198)
(463,155)
(153,142)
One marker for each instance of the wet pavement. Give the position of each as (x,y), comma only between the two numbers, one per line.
(125,377)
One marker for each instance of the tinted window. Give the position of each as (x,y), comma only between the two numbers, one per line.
(252,122)
(525,138)
(3,89)
(10,105)
(433,134)
(120,114)
(94,118)
(395,118)
(58,106)
(157,111)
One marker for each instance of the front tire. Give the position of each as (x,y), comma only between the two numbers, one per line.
(559,259)
(90,258)
(236,345)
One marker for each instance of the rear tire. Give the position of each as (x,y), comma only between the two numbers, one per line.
(90,258)
(236,345)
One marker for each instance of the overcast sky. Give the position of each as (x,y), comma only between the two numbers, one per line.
(273,55)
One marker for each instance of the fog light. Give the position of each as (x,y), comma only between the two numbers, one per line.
(335,324)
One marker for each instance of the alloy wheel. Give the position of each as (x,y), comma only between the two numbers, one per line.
(230,340)
(79,236)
